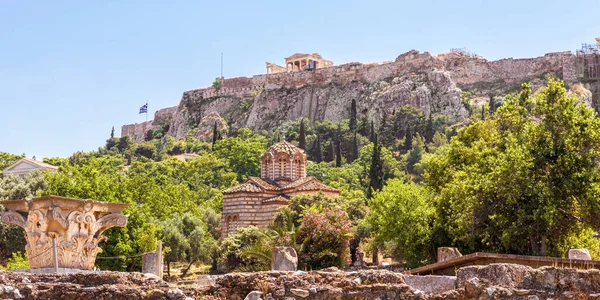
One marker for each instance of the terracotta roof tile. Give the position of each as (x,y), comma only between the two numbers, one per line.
(284,147)
(316,186)
(244,187)
(265,184)
(276,199)
(256,184)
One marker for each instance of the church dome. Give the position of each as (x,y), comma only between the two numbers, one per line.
(283,162)
(284,147)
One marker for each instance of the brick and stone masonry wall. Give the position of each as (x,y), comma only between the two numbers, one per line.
(249,209)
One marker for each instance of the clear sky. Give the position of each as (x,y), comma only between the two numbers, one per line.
(70,70)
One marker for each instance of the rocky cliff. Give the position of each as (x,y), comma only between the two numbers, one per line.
(431,83)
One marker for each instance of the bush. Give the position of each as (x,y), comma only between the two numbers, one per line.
(17,261)
(324,238)
(246,250)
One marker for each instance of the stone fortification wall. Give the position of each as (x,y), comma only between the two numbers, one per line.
(137,131)
(465,70)
(431,83)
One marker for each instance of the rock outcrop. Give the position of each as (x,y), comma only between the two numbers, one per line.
(431,83)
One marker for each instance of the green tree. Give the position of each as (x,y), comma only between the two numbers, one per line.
(186,239)
(242,152)
(7,159)
(317,150)
(338,152)
(429,130)
(376,180)
(522,180)
(403,213)
(408,139)
(354,148)
(415,154)
(112,132)
(353,116)
(124,144)
(302,136)
(214,136)
(147,150)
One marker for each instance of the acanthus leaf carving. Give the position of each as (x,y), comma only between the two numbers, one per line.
(109,221)
(15,218)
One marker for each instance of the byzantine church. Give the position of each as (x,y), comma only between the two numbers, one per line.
(256,200)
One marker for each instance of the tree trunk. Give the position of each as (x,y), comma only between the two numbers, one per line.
(168,269)
(184,273)
(375,256)
(543,247)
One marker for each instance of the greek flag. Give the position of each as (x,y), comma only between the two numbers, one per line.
(144,109)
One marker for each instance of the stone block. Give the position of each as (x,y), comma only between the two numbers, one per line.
(254,295)
(284,259)
(582,254)
(447,253)
(431,284)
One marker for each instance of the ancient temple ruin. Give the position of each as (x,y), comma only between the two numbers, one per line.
(63,230)
(300,62)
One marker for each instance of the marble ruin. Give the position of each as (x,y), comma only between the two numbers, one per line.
(257,199)
(74,225)
(300,62)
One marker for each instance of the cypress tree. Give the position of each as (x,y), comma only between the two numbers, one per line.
(408,139)
(330,155)
(482,112)
(302,136)
(354,148)
(376,171)
(492,105)
(338,153)
(353,116)
(429,130)
(318,156)
(112,132)
(372,137)
(215,136)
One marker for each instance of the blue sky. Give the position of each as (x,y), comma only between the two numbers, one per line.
(70,70)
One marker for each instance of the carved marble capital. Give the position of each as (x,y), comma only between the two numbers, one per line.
(75,224)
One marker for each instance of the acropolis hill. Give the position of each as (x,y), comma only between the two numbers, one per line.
(431,83)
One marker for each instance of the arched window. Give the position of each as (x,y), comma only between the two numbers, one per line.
(298,171)
(281,167)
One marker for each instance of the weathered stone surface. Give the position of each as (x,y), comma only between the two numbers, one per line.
(74,225)
(431,284)
(100,285)
(447,253)
(431,83)
(300,293)
(284,259)
(582,254)
(254,295)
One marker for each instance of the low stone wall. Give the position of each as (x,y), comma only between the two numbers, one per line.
(496,281)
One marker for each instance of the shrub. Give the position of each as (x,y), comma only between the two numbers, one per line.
(246,250)
(17,261)
(324,238)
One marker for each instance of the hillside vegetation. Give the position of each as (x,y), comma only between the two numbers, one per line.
(520,176)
